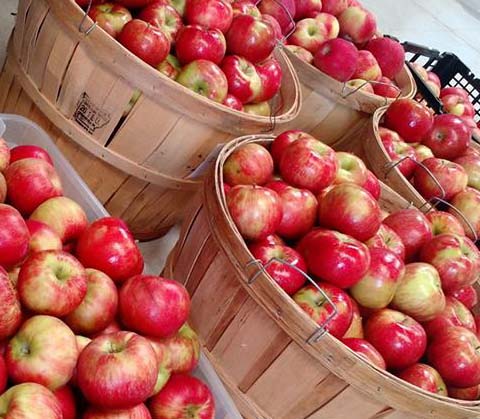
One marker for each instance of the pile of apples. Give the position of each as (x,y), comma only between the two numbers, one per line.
(401,282)
(442,143)
(218,49)
(340,38)
(83,333)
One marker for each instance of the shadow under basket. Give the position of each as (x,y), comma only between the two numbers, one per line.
(76,83)
(274,360)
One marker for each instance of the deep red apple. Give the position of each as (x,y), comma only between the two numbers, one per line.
(386,88)
(3,375)
(270,73)
(67,402)
(283,140)
(194,42)
(366,351)
(469,393)
(425,377)
(14,237)
(390,55)
(233,103)
(10,309)
(372,185)
(212,14)
(29,151)
(244,82)
(337,58)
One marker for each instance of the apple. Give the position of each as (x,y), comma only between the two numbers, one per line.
(44,351)
(419,293)
(308,164)
(435,80)
(456,258)
(334,7)
(305,8)
(52,282)
(471,164)
(386,238)
(244,82)
(110,17)
(356,326)
(301,53)
(165,305)
(259,109)
(397,150)
(378,287)
(283,11)
(194,42)
(29,400)
(211,14)
(245,7)
(250,38)
(386,88)
(467,202)
(183,396)
(456,91)
(450,179)
(425,377)
(410,119)
(367,67)
(366,351)
(3,188)
(360,85)
(316,306)
(455,314)
(466,295)
(443,222)
(205,78)
(170,67)
(233,102)
(357,24)
(163,16)
(455,355)
(140,411)
(98,308)
(389,54)
(3,375)
(272,239)
(270,72)
(288,278)
(299,210)
(28,151)
(5,155)
(351,169)
(469,393)
(310,34)
(64,216)
(422,152)
(335,257)
(10,310)
(42,237)
(349,209)
(372,185)
(134,4)
(337,58)
(457,105)
(399,338)
(412,227)
(255,210)
(114,326)
(129,362)
(283,140)
(14,237)
(108,245)
(66,399)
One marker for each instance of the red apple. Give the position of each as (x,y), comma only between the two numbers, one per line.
(397,150)
(386,88)
(283,140)
(386,238)
(194,42)
(299,210)
(113,327)
(3,375)
(140,411)
(317,307)
(443,222)
(378,287)
(28,151)
(390,55)
(471,164)
(270,73)
(412,227)
(245,7)
(108,245)
(64,216)
(398,337)
(147,42)
(233,102)
(14,237)
(163,16)
(412,120)
(129,362)
(335,257)
(205,78)
(183,396)
(283,11)
(367,67)
(272,239)
(356,326)
(457,105)
(170,67)
(425,377)
(467,296)
(42,237)
(351,210)
(43,351)
(301,53)
(134,4)
(456,258)
(308,164)
(351,169)
(250,38)
(5,155)
(110,17)
(337,58)
(10,310)
(467,202)
(66,399)
(366,351)
(372,185)
(469,393)
(357,24)
(164,309)
(243,80)
(212,14)
(305,8)
(334,7)
(455,354)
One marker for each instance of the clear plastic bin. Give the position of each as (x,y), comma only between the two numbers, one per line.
(17,130)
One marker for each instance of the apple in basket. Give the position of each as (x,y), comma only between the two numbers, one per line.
(3,375)
(14,237)
(386,238)
(469,393)
(367,67)
(357,24)
(194,42)
(110,17)
(425,377)
(337,58)
(366,350)
(458,105)
(467,202)
(443,222)
(310,34)
(467,296)
(386,88)
(163,16)
(270,73)
(397,150)
(66,399)
(305,8)
(301,53)
(244,82)
(372,185)
(138,412)
(283,11)
(334,7)
(28,151)
(10,311)
(232,102)
(212,14)
(471,164)
(389,54)
(283,140)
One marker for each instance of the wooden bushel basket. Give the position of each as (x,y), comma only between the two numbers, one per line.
(76,83)
(330,109)
(272,357)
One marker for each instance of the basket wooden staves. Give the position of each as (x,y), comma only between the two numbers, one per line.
(275,361)
(76,83)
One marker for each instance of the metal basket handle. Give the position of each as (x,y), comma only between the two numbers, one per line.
(292,24)
(80,26)
(355,90)
(262,268)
